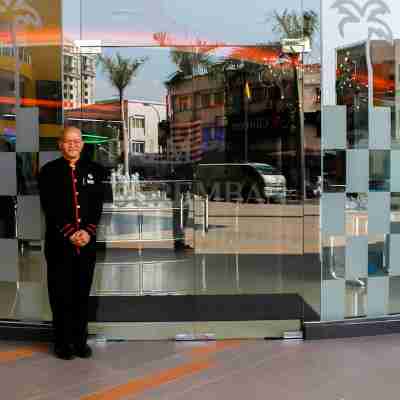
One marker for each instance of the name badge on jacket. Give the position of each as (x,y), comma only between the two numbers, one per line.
(90,179)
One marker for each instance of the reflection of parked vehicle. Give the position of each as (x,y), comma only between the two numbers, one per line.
(252,181)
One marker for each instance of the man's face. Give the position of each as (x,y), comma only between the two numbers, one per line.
(71,144)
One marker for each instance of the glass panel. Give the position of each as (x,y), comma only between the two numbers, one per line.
(357,169)
(334,171)
(9,257)
(360,70)
(333,258)
(29,222)
(32,265)
(379,170)
(334,127)
(356,258)
(352,91)
(8,167)
(27,173)
(356,214)
(378,213)
(378,297)
(8,217)
(380,137)
(356,298)
(202,94)
(378,255)
(383,62)
(394,301)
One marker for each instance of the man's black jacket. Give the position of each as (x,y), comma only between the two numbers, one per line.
(71,197)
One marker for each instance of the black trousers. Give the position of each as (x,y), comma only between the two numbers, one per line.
(69,278)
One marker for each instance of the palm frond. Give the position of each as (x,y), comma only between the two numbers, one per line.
(120,70)
(293,25)
(192,60)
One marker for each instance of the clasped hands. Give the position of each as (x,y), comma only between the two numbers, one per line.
(80,238)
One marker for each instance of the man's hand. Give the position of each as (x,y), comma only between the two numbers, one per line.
(80,238)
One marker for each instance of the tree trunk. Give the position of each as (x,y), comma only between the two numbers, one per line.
(124,134)
(298,77)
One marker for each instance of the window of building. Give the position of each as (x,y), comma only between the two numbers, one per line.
(198,100)
(138,122)
(71,96)
(184,103)
(137,147)
(175,103)
(136,126)
(205,100)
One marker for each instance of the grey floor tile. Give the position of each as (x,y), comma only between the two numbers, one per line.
(360,368)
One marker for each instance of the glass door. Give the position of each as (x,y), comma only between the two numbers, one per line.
(209,169)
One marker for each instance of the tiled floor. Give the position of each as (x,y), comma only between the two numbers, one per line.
(360,368)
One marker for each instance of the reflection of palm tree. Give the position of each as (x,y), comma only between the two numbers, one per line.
(191,60)
(17,13)
(162,38)
(120,72)
(294,26)
(354,13)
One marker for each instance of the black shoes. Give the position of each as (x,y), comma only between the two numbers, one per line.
(83,351)
(67,352)
(64,352)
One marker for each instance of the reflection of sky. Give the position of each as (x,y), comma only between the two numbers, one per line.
(135,21)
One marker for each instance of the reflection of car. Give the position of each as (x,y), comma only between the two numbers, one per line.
(251,181)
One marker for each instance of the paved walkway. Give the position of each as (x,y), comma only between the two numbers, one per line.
(360,368)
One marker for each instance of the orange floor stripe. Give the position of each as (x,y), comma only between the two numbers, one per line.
(213,348)
(22,352)
(139,385)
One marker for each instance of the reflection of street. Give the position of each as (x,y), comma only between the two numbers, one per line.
(248,248)
(244,228)
(259,229)
(137,224)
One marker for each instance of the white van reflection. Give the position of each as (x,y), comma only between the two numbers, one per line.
(237,181)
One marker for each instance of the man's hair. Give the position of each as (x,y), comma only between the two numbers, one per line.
(68,129)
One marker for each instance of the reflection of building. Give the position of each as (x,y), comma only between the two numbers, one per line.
(213,120)
(39,71)
(79,76)
(7,80)
(312,88)
(197,118)
(142,120)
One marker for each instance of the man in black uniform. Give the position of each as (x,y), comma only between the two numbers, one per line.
(71,194)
